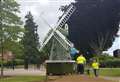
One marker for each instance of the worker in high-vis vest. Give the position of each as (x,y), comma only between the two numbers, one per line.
(80,63)
(95,66)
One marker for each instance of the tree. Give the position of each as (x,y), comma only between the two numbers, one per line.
(90,17)
(99,44)
(10,29)
(30,41)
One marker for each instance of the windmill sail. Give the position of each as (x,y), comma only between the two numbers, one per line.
(62,40)
(60,24)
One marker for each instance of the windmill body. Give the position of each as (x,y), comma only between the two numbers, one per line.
(60,50)
(59,45)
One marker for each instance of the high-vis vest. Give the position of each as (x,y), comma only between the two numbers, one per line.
(81,60)
(95,65)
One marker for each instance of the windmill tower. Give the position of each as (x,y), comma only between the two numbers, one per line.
(60,45)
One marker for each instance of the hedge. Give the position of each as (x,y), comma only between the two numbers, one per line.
(112,63)
(11,63)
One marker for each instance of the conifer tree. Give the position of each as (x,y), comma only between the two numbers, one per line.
(30,41)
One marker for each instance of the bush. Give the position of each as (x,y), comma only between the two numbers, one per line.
(19,62)
(109,61)
(4,62)
(112,63)
(13,62)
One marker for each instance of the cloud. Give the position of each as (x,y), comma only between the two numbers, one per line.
(116,44)
(47,9)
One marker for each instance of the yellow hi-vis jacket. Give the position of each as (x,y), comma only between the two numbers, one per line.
(81,60)
(95,65)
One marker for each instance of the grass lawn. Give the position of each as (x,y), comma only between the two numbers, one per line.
(113,72)
(23,79)
(110,72)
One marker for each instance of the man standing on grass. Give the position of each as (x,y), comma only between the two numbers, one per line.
(80,63)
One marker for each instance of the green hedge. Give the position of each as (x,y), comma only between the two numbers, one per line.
(112,63)
(11,63)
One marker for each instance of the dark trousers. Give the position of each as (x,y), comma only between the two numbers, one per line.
(88,71)
(95,72)
(80,68)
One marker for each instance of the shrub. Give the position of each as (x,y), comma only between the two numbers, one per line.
(13,62)
(113,63)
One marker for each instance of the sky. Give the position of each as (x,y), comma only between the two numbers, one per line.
(48,11)
(116,44)
(43,11)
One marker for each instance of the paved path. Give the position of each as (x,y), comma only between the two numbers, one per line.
(77,78)
(117,79)
(69,78)
(20,71)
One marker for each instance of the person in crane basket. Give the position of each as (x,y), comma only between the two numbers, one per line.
(74,53)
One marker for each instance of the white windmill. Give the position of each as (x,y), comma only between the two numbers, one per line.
(60,48)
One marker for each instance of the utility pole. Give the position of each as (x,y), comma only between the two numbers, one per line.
(1,40)
(2,67)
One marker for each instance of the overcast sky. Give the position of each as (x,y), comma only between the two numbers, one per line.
(49,11)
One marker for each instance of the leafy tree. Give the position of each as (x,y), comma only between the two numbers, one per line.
(30,41)
(10,29)
(99,44)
